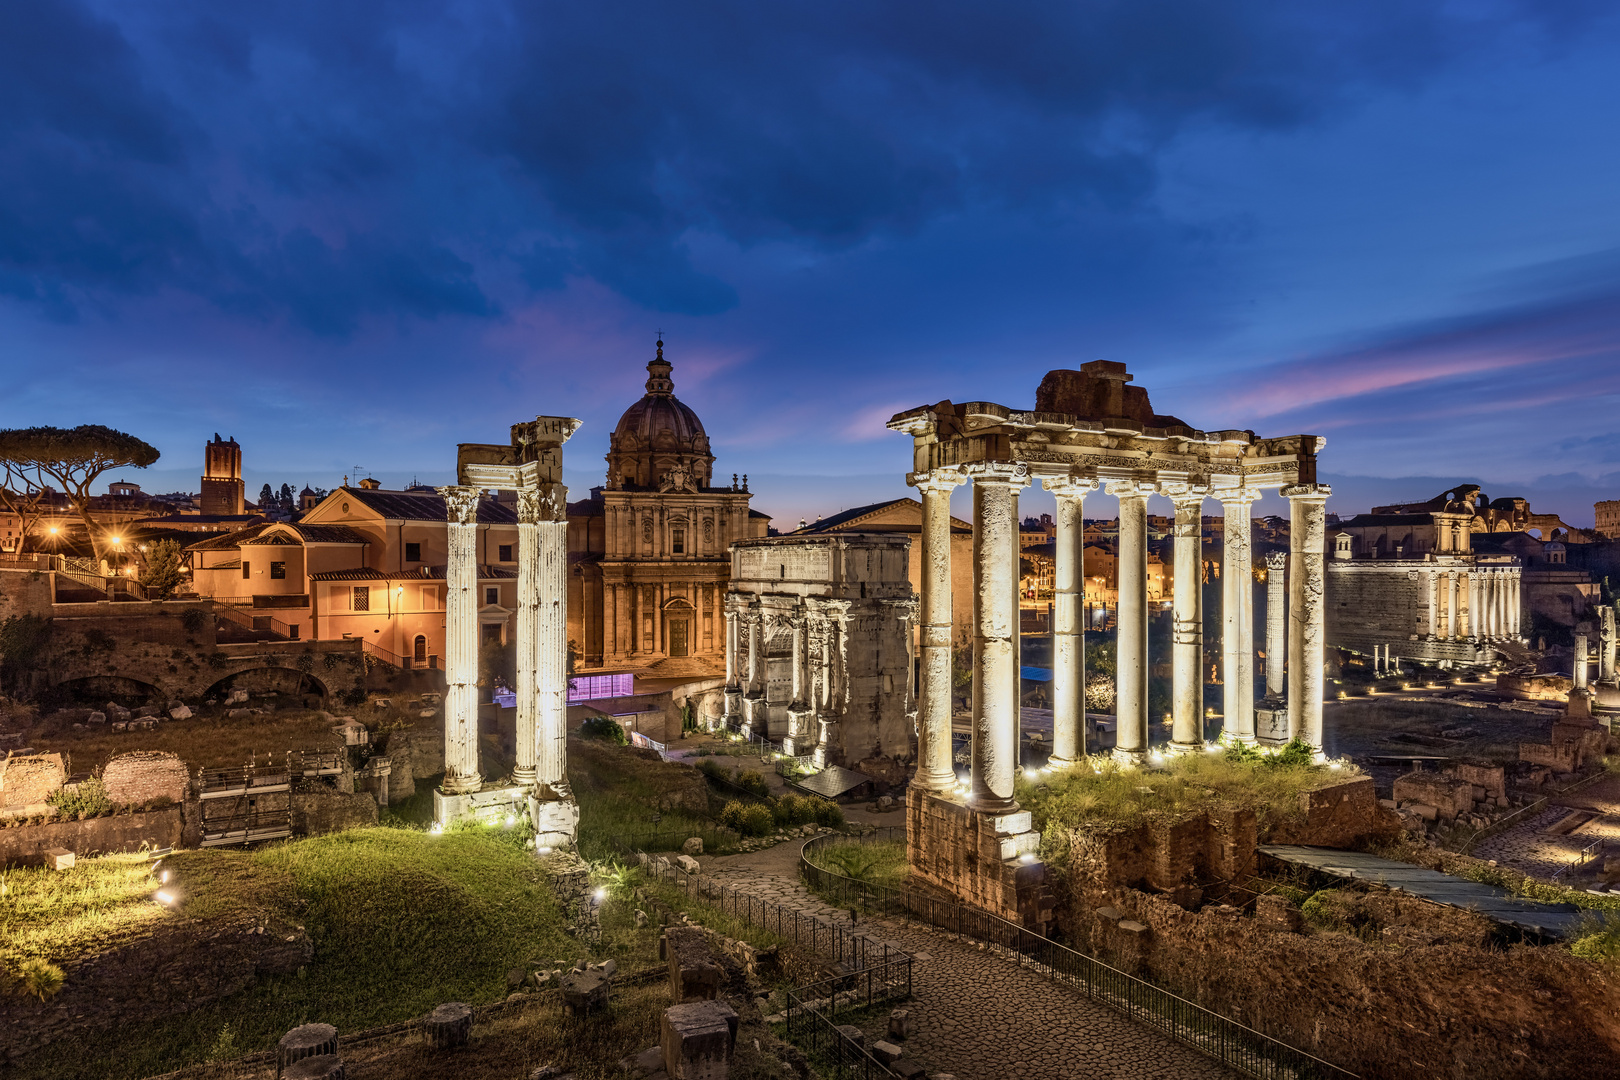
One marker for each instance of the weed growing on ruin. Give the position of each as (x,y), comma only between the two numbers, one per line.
(1597,937)
(87,799)
(40,978)
(876,864)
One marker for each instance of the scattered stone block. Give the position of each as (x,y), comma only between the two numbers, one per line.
(853,1034)
(687,864)
(96,718)
(1424,811)
(697,1039)
(180,712)
(59,858)
(908,1069)
(145,711)
(693,846)
(886,1051)
(448,1026)
(641,918)
(237,714)
(120,725)
(1111,914)
(236,697)
(583,992)
(317,1067)
(902,1025)
(1133,928)
(306,1041)
(693,973)
(115,711)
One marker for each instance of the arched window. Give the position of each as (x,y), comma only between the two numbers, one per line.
(419,653)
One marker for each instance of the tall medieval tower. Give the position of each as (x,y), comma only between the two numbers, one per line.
(222,477)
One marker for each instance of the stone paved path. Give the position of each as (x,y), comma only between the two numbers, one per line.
(979,1015)
(1530,849)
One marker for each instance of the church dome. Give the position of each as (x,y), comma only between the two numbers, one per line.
(659,443)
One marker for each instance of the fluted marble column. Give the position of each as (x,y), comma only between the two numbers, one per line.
(1131,639)
(995,615)
(1307,645)
(526,650)
(461,641)
(1516,603)
(1187,627)
(551,636)
(935,771)
(1237,615)
(1606,646)
(1473,603)
(1580,664)
(1431,580)
(1451,605)
(1276,625)
(1068,624)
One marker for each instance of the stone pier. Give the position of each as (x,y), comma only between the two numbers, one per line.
(1187,627)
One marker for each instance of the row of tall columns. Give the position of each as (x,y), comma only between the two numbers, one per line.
(1493,603)
(541,644)
(995,615)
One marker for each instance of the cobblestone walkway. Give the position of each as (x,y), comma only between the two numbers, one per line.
(1530,849)
(979,1015)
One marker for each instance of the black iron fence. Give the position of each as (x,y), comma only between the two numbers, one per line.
(1227,1041)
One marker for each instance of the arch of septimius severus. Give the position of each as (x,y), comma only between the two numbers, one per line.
(1089,431)
(531,466)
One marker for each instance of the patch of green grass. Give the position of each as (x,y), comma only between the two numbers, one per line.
(875,864)
(401,921)
(53,915)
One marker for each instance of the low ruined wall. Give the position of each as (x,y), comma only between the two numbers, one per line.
(323,811)
(145,776)
(25,845)
(1341,815)
(30,780)
(181,966)
(951,846)
(1446,1009)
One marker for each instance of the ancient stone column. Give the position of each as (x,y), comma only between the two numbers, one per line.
(1276,624)
(1131,640)
(1606,645)
(733,694)
(1493,603)
(461,642)
(1516,602)
(1187,628)
(1237,616)
(1068,626)
(551,637)
(1581,660)
(995,664)
(1307,645)
(1432,581)
(756,665)
(934,767)
(527,645)
(1473,603)
(1450,606)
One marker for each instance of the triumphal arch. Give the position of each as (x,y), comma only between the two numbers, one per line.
(1089,431)
(531,466)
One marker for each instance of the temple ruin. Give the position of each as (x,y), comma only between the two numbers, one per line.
(1088,430)
(531,466)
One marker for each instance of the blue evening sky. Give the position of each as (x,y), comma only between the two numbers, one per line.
(356,234)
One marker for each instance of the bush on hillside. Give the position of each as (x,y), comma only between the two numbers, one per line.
(749,819)
(605,729)
(753,782)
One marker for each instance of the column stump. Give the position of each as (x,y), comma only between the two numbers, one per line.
(306,1041)
(319,1067)
(448,1026)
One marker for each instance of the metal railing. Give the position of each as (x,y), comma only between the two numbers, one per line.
(385,655)
(1585,855)
(1251,1052)
(256,623)
(814,1011)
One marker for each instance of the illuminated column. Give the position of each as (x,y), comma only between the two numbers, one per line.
(934,766)
(1237,615)
(995,613)
(733,706)
(1581,661)
(1432,583)
(1473,603)
(1606,645)
(526,649)
(1276,625)
(1493,604)
(1451,605)
(1515,602)
(1131,640)
(551,637)
(1307,647)
(1068,627)
(1187,630)
(461,642)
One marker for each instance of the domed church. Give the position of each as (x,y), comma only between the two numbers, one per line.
(648,549)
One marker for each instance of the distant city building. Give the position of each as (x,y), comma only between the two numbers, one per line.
(1607,515)
(222,477)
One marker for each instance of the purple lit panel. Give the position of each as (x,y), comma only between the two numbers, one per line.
(595,687)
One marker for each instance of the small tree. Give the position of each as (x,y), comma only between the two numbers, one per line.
(162,576)
(267,496)
(75,458)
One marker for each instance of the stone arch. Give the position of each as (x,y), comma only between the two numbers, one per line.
(96,689)
(285,681)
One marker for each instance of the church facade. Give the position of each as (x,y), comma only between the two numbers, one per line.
(649,549)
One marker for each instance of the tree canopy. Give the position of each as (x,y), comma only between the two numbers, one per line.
(75,458)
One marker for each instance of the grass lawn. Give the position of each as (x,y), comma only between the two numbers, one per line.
(621,790)
(401,921)
(875,864)
(1099,790)
(49,914)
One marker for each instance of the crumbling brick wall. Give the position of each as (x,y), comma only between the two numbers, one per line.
(145,776)
(1450,795)
(1345,814)
(30,779)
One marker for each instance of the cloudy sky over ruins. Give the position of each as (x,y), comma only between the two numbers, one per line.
(356,234)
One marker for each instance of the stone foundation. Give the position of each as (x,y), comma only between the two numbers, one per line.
(490,802)
(983,859)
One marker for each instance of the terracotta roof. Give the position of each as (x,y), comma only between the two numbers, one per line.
(423,573)
(272,540)
(229,540)
(331,534)
(854,514)
(425,506)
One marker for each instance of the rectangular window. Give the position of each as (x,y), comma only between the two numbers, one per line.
(278,570)
(362,598)
(677,541)
(492,596)
(506,552)
(247,570)
(413,552)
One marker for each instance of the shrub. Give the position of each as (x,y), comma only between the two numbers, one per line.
(753,782)
(605,729)
(1598,938)
(714,770)
(731,815)
(757,820)
(88,799)
(194,619)
(41,978)
(827,812)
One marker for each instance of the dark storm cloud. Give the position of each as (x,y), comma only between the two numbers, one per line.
(325,163)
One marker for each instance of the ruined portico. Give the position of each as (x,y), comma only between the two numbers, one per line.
(531,466)
(1089,430)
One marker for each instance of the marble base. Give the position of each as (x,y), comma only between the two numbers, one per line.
(487,804)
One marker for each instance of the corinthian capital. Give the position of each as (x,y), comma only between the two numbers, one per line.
(528,506)
(461,504)
(1132,489)
(1237,496)
(1277,560)
(1309,492)
(1011,473)
(1071,487)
